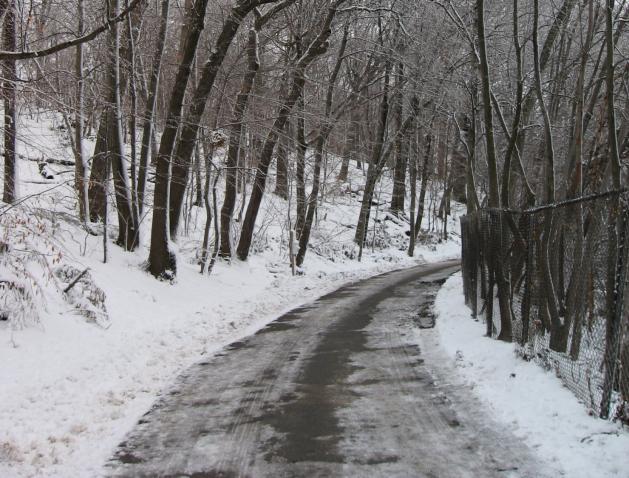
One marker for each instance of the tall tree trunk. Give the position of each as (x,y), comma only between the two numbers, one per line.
(401,159)
(9,73)
(190,125)
(548,135)
(235,135)
(127,232)
(615,276)
(148,129)
(351,145)
(575,154)
(133,94)
(413,179)
(374,165)
(318,46)
(80,161)
(611,97)
(559,23)
(234,151)
(162,262)
(98,172)
(494,198)
(506,172)
(424,183)
(97,183)
(324,132)
(281,178)
(264,161)
(300,167)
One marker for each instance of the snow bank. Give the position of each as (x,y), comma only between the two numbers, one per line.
(528,399)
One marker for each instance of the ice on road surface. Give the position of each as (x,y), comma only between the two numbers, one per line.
(336,388)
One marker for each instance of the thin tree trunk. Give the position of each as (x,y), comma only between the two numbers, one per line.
(127,233)
(198,159)
(324,133)
(560,21)
(352,143)
(133,122)
(548,135)
(506,172)
(281,178)
(611,97)
(401,159)
(494,198)
(148,129)
(300,169)
(374,165)
(98,171)
(413,179)
(235,135)
(424,184)
(9,93)
(80,161)
(318,46)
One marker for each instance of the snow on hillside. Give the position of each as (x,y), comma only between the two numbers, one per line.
(525,397)
(76,375)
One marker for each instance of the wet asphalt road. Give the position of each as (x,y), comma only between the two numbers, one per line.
(335,388)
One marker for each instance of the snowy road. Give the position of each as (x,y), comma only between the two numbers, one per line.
(336,388)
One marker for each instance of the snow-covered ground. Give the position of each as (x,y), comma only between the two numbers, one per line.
(70,388)
(528,399)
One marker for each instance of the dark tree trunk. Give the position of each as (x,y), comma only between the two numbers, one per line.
(80,163)
(373,170)
(413,179)
(127,231)
(401,158)
(190,125)
(9,73)
(162,262)
(264,161)
(351,146)
(235,135)
(300,169)
(281,178)
(148,129)
(133,32)
(424,184)
(98,174)
(494,198)
(304,238)
(324,133)
(318,46)
(548,135)
(235,156)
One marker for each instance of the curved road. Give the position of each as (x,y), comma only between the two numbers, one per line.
(335,388)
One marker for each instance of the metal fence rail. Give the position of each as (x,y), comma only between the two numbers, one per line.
(554,280)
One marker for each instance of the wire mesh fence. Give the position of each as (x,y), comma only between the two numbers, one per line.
(554,280)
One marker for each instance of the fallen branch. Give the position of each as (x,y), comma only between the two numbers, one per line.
(74,282)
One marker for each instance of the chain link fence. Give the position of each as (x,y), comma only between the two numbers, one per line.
(554,280)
